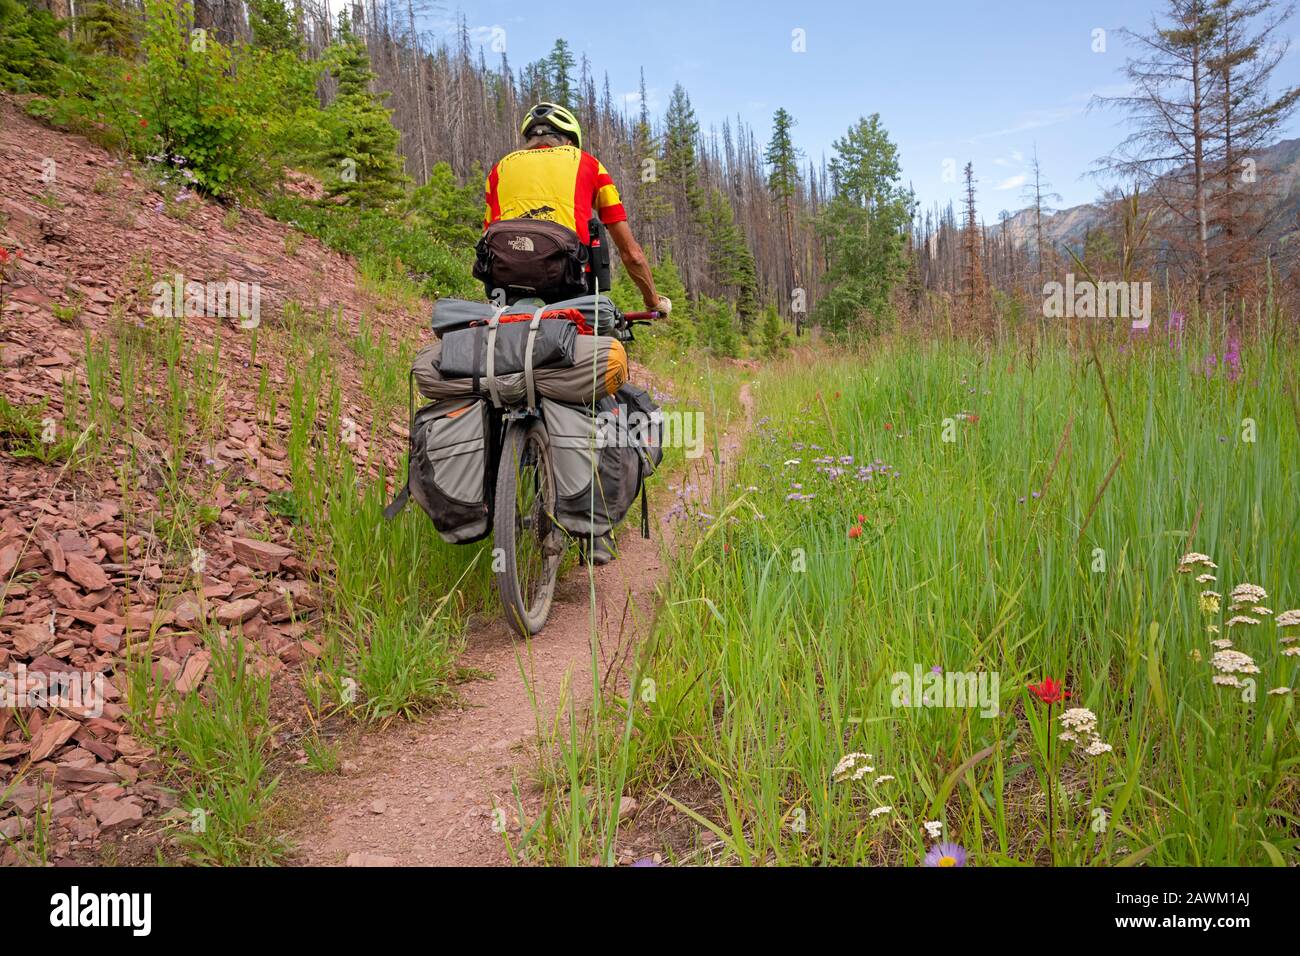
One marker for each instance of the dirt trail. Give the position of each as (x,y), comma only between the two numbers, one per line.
(423,793)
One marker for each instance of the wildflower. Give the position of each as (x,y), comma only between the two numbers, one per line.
(1080,720)
(1222,643)
(888,427)
(1049,691)
(1226,680)
(933,829)
(847,763)
(945,854)
(1234,662)
(880,811)
(1097,747)
(1196,655)
(1289,618)
(1209,602)
(862,519)
(855,531)
(885,778)
(1248,594)
(144,123)
(1261,611)
(1212,629)
(1291,651)
(1280,691)
(1241,619)
(1205,578)
(1193,558)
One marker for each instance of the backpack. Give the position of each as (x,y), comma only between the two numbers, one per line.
(531,257)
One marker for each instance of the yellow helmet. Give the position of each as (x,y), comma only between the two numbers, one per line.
(557,118)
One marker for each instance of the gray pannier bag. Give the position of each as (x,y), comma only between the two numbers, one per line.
(447,471)
(601,462)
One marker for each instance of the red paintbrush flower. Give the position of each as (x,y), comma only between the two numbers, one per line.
(862,519)
(1049,691)
(888,427)
(855,531)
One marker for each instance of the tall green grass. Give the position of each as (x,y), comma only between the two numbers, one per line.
(1005,551)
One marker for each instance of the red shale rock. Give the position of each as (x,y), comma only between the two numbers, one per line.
(262,555)
(86,572)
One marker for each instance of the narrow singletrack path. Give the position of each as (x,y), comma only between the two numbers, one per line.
(423,792)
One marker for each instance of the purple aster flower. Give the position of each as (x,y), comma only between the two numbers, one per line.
(945,854)
(936,669)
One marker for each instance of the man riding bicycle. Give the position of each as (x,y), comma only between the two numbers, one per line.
(546,205)
(552,180)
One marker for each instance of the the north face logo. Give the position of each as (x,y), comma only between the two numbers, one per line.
(521,244)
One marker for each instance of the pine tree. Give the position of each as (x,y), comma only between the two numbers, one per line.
(273,26)
(559,72)
(362,151)
(864,226)
(783,183)
(681,163)
(652,206)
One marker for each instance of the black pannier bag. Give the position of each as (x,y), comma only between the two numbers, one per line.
(448,468)
(464,351)
(531,257)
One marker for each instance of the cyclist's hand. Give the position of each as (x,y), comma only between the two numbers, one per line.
(664,305)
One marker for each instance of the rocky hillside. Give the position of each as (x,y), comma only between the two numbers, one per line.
(144,466)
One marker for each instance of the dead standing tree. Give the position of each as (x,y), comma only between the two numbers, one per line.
(1168,152)
(974,284)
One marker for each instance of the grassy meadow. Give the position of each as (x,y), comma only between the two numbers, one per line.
(976,521)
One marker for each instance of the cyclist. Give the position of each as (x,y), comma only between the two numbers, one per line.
(554,183)
(551,179)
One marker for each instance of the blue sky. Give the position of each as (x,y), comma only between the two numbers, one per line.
(953,81)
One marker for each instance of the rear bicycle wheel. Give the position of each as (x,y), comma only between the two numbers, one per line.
(530,543)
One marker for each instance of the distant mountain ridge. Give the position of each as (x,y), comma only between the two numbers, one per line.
(1069,227)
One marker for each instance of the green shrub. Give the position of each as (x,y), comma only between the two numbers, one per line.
(399,249)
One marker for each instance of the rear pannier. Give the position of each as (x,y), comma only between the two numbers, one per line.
(448,467)
(602,459)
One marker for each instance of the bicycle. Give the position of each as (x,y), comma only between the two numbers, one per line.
(529,546)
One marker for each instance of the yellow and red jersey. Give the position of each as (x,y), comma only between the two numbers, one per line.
(556,183)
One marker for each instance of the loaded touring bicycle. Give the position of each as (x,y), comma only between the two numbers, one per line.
(532,433)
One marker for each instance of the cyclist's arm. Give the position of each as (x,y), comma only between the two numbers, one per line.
(634,260)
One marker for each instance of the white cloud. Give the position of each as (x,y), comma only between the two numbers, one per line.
(1012,182)
(632,101)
